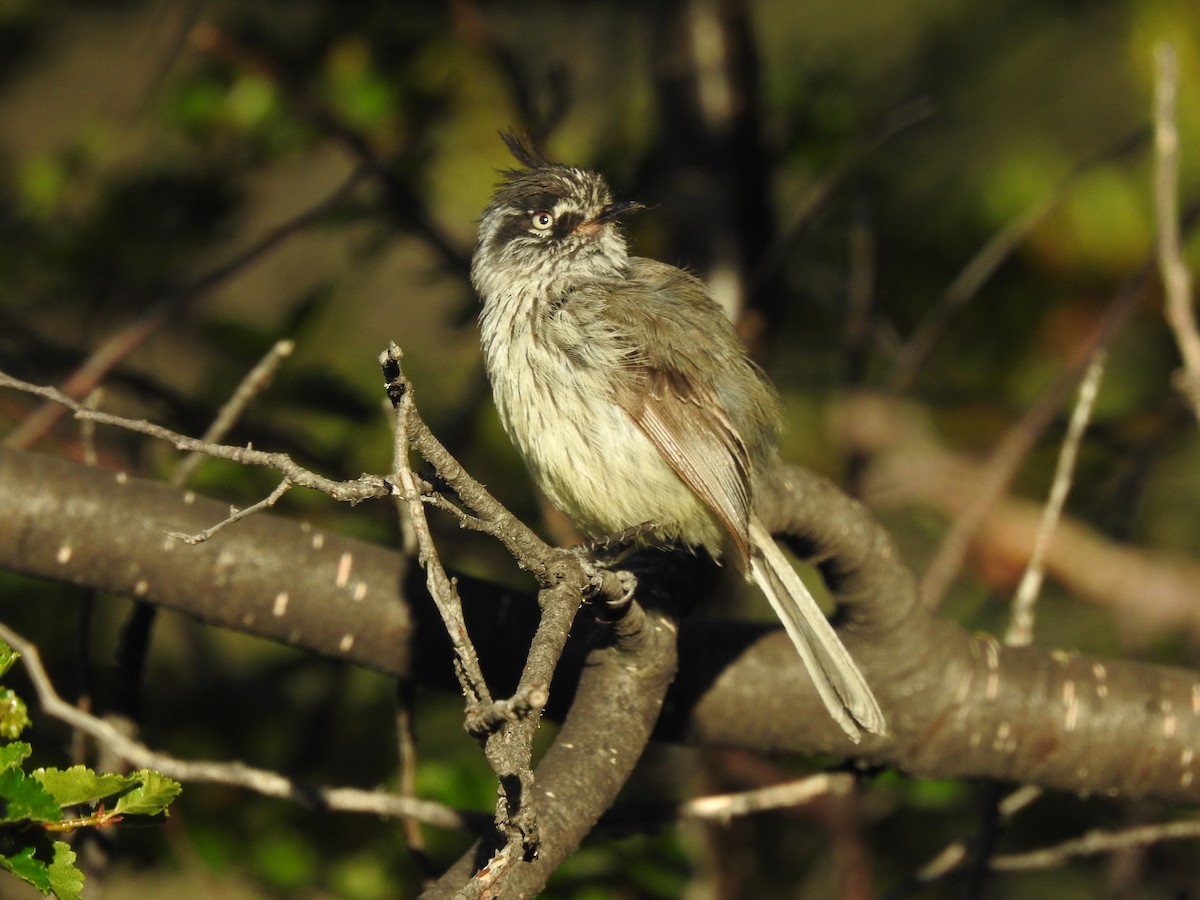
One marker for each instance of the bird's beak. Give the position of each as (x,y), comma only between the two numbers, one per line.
(616,209)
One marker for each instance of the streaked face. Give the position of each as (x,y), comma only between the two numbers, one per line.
(552,222)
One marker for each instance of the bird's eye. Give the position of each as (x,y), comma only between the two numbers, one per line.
(543,219)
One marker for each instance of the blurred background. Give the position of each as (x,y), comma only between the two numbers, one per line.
(919,212)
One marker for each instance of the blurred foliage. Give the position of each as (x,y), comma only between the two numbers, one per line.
(145,144)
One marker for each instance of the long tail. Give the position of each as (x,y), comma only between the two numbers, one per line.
(841,686)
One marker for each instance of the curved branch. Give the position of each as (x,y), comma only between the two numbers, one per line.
(959,705)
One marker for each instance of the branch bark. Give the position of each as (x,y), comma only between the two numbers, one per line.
(958,705)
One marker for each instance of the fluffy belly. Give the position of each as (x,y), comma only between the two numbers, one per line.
(590,459)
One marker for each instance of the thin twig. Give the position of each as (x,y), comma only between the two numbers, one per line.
(508,725)
(366,487)
(261,781)
(1094,842)
(1020,629)
(724,807)
(117,347)
(1176,278)
(975,274)
(441,587)
(482,720)
(406,745)
(781,248)
(236,515)
(255,382)
(957,856)
(1020,439)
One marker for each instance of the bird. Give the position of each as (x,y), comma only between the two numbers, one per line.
(624,387)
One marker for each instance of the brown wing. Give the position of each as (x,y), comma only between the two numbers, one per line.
(694,435)
(679,386)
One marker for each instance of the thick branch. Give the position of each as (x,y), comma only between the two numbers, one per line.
(612,715)
(957,705)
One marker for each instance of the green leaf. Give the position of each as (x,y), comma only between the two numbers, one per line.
(79,784)
(12,755)
(14,716)
(8,656)
(65,878)
(151,797)
(29,868)
(23,798)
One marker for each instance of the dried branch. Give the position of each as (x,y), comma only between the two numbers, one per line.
(1153,593)
(954,860)
(1022,437)
(236,515)
(1020,629)
(993,254)
(440,585)
(117,347)
(620,693)
(507,726)
(724,807)
(1176,278)
(260,781)
(1095,842)
(254,383)
(365,488)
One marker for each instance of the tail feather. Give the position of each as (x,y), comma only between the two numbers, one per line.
(839,682)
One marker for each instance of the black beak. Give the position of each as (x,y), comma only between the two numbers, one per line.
(617,209)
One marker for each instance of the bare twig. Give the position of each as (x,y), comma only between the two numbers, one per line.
(1151,592)
(255,382)
(236,515)
(441,586)
(132,336)
(954,858)
(1020,439)
(1094,842)
(774,256)
(975,274)
(1176,278)
(235,774)
(483,720)
(1020,629)
(723,807)
(956,855)
(365,488)
(406,745)
(508,726)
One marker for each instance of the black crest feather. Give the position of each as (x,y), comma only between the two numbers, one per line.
(522,149)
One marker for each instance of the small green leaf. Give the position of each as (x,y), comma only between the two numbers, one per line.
(8,656)
(29,868)
(65,878)
(149,798)
(23,798)
(79,784)
(14,716)
(12,755)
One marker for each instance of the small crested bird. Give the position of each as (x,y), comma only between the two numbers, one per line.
(626,390)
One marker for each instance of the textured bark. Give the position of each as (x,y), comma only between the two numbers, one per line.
(958,705)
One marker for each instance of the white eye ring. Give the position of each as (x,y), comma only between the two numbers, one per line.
(542,220)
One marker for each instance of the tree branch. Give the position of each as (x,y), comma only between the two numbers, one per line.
(958,705)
